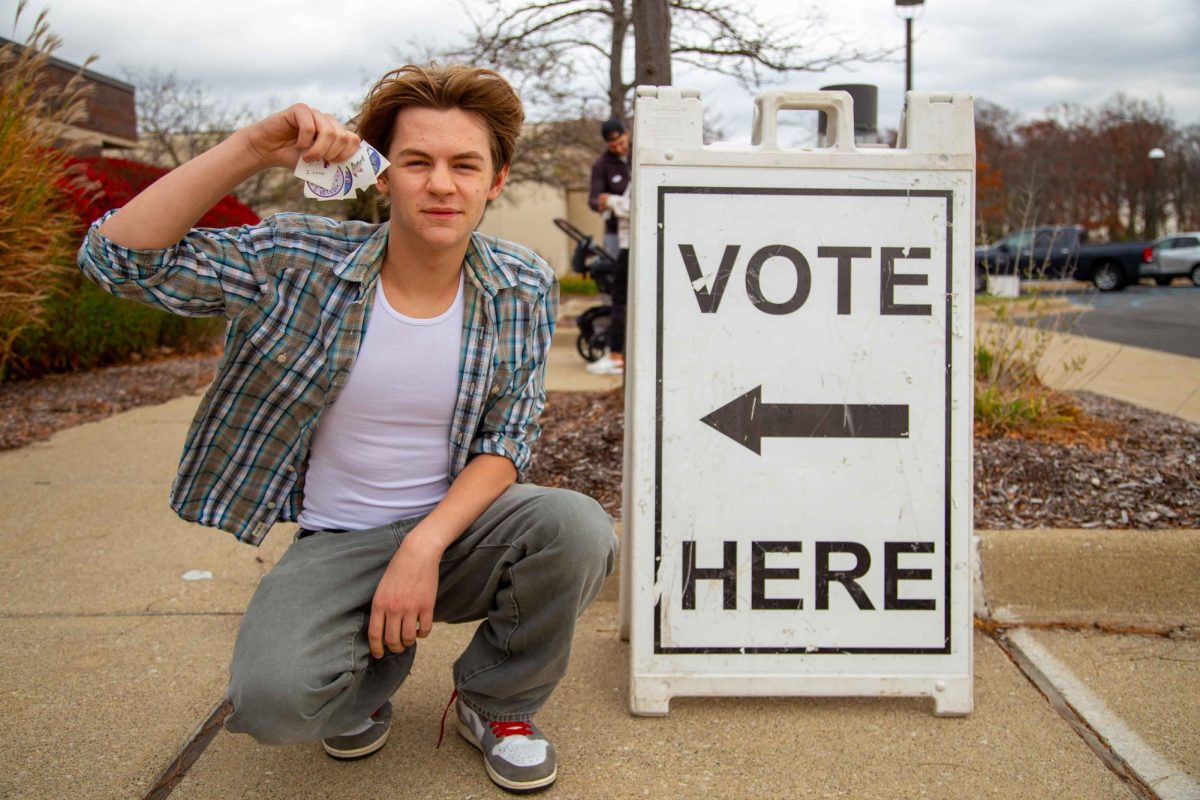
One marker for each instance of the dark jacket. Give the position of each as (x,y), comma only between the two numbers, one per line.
(610,175)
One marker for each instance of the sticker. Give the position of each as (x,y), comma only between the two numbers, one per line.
(324,180)
(343,183)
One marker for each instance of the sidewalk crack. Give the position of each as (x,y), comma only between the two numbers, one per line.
(1145,772)
(177,770)
(1181,631)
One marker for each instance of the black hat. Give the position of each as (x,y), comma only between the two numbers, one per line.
(611,127)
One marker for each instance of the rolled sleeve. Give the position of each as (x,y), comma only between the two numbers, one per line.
(210,272)
(510,425)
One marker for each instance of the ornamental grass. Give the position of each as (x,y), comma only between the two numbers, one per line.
(38,227)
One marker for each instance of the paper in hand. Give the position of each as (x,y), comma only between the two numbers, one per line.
(324,180)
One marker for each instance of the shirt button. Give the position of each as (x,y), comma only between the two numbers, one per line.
(281,358)
(290,468)
(271,505)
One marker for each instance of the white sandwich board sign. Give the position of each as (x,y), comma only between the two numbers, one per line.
(798,469)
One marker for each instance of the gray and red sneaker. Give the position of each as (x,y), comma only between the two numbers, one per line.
(364,742)
(516,755)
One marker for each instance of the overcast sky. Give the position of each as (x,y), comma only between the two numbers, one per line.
(1025,55)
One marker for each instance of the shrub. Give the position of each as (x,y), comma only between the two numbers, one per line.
(85,327)
(38,230)
(577,285)
(1009,395)
(99,184)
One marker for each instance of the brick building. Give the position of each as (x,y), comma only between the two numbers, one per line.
(111,122)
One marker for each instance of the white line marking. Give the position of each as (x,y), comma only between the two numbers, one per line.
(1167,780)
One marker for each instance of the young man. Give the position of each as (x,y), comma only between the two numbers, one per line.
(381,386)
(608,195)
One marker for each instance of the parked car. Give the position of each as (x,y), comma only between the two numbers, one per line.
(1172,256)
(1061,251)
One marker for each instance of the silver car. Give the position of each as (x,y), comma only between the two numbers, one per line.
(1172,256)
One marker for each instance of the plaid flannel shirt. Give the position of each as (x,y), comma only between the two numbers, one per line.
(297,292)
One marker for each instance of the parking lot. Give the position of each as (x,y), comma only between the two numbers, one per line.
(1164,318)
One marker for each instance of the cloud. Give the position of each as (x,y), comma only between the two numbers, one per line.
(1026,55)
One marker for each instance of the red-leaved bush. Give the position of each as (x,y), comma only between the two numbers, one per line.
(80,326)
(101,184)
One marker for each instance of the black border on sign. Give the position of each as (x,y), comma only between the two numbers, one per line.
(663,191)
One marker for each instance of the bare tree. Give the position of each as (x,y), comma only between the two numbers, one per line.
(1182,178)
(1086,166)
(552,47)
(652,42)
(178,119)
(570,61)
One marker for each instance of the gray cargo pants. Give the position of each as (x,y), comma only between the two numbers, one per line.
(527,567)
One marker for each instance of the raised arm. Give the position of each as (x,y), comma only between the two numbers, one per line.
(163,214)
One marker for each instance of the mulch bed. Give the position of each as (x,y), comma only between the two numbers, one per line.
(582,437)
(33,410)
(1123,467)
(1131,468)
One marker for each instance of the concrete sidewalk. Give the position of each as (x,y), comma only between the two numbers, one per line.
(115,657)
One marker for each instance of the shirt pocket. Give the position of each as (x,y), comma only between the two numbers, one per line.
(286,369)
(286,350)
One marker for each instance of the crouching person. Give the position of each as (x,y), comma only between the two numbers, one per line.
(381,386)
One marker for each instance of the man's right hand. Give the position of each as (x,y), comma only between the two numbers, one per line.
(300,131)
(164,213)
(602,201)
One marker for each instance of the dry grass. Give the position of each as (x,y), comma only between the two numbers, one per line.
(1010,398)
(38,229)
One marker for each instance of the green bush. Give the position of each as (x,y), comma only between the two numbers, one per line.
(84,327)
(577,285)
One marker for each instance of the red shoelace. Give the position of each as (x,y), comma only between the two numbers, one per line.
(442,730)
(499,729)
(502,729)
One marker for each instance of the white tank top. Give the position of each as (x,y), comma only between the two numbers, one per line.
(382,451)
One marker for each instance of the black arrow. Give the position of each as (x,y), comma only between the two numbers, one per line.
(748,419)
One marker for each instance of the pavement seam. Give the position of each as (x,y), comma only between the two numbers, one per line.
(1185,401)
(1147,774)
(998,627)
(195,746)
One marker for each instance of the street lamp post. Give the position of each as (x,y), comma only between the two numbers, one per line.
(908,10)
(1156,155)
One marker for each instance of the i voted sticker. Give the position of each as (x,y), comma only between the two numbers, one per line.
(325,180)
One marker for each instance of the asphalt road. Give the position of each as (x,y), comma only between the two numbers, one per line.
(1158,318)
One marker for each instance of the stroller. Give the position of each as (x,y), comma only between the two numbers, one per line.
(591,259)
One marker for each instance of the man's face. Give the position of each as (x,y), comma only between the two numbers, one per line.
(441,176)
(618,144)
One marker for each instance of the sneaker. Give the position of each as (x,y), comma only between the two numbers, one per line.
(362,743)
(516,754)
(606,365)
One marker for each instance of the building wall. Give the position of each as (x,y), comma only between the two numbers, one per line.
(525,214)
(111,110)
(582,216)
(111,119)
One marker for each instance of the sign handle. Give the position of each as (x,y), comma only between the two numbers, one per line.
(838,106)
